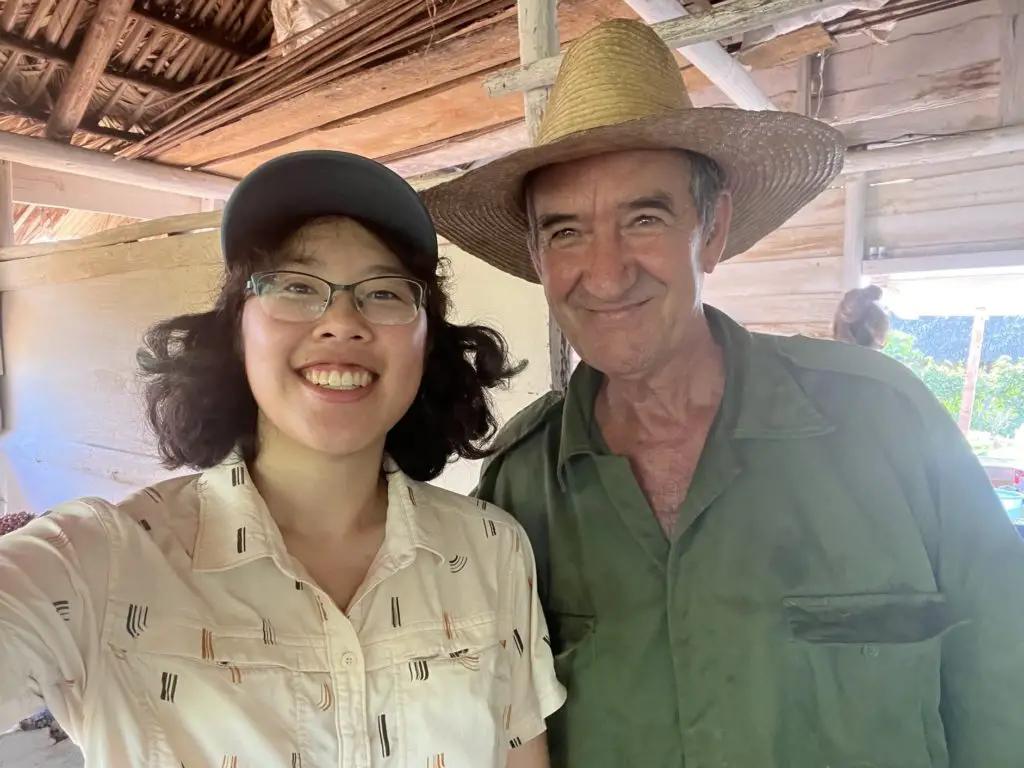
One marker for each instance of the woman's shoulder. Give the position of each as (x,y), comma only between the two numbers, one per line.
(168,505)
(460,510)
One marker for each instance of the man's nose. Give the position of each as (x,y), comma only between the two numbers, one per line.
(610,272)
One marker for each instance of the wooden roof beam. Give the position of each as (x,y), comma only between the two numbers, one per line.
(724,72)
(732,17)
(100,38)
(179,27)
(55,156)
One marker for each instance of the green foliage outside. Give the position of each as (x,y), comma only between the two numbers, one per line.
(999,400)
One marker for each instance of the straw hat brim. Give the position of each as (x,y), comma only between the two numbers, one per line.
(775,163)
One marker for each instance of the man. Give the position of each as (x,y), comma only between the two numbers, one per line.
(755,551)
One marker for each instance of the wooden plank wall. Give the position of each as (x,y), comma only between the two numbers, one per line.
(791,281)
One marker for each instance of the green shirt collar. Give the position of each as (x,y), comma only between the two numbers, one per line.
(762,399)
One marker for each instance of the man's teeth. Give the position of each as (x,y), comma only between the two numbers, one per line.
(339,380)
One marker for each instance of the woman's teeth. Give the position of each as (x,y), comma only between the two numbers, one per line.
(339,380)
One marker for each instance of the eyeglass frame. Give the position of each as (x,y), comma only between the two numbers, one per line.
(252,284)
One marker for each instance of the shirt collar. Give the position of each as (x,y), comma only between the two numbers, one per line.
(235,526)
(762,399)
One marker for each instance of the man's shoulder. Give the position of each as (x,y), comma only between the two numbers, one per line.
(522,441)
(848,365)
(544,412)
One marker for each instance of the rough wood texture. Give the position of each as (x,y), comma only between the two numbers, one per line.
(395,97)
(940,215)
(710,58)
(538,38)
(41,187)
(733,17)
(854,230)
(1011,55)
(83,162)
(948,83)
(102,35)
(171,225)
(6,204)
(68,266)
(996,141)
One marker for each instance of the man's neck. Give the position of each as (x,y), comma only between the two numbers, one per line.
(319,497)
(687,387)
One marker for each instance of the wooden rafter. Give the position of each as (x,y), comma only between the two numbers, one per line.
(102,35)
(179,27)
(732,17)
(54,54)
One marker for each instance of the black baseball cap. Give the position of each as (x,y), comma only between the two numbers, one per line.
(284,192)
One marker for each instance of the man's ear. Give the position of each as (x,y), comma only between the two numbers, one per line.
(716,240)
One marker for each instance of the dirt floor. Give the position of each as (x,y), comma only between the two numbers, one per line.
(35,749)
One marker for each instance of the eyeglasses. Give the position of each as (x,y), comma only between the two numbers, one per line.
(297,297)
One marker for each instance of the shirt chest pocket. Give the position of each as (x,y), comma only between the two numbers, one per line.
(212,696)
(441,694)
(863,678)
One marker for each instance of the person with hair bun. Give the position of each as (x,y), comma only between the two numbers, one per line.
(306,598)
(860,319)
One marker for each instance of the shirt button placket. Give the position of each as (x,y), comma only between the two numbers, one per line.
(349,681)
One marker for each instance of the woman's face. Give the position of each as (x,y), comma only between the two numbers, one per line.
(336,384)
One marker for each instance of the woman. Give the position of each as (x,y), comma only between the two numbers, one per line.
(307,599)
(860,319)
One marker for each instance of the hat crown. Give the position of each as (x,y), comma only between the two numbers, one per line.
(617,72)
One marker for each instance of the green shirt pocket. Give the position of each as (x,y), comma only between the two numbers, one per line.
(862,680)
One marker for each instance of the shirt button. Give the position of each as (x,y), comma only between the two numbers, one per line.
(348,658)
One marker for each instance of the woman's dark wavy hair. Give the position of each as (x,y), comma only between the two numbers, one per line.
(200,405)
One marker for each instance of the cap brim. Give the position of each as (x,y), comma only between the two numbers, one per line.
(300,186)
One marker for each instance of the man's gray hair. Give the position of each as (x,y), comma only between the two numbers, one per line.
(707,184)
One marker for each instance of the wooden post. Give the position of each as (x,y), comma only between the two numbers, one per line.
(100,38)
(854,231)
(6,239)
(971,371)
(806,70)
(1011,55)
(538,39)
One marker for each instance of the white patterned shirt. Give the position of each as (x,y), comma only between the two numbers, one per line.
(174,629)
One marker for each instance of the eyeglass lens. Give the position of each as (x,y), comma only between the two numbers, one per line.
(297,297)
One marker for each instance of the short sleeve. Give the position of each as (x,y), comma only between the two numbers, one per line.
(535,690)
(53,587)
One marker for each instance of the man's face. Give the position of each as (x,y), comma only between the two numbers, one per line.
(622,255)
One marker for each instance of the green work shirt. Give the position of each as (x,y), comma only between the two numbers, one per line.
(843,588)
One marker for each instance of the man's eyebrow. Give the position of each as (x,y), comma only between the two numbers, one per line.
(661,201)
(658,200)
(548,220)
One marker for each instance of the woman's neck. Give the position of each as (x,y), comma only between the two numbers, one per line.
(311,494)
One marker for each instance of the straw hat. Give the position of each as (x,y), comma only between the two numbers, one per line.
(619,88)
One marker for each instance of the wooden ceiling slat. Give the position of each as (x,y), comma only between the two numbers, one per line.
(204,36)
(47,53)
